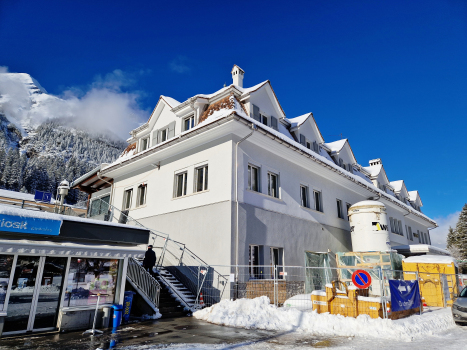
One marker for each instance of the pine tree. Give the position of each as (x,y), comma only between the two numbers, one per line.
(451,237)
(461,236)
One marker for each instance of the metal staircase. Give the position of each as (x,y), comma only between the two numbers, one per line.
(144,284)
(178,290)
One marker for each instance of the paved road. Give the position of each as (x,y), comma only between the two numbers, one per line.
(161,333)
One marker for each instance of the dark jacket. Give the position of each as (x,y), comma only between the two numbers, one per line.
(149,258)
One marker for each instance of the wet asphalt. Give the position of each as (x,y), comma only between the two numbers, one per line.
(160,334)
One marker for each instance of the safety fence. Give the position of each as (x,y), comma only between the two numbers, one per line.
(327,289)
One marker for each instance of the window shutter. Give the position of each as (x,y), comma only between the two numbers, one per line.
(171,130)
(256,115)
(154,138)
(302,140)
(274,123)
(315,147)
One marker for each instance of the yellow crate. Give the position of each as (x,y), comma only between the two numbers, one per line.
(320,300)
(369,306)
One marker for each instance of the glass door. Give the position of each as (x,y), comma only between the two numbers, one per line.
(35,294)
(22,293)
(48,293)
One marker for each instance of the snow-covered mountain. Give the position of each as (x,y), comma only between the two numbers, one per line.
(41,140)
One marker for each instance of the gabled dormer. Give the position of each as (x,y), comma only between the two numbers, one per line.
(306,131)
(342,154)
(400,191)
(159,127)
(378,175)
(415,200)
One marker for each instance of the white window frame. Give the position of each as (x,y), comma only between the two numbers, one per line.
(166,130)
(125,191)
(191,118)
(138,195)
(205,182)
(318,207)
(184,175)
(410,233)
(304,189)
(347,207)
(263,118)
(258,177)
(147,139)
(270,188)
(339,208)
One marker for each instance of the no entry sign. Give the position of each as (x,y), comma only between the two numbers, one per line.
(361,279)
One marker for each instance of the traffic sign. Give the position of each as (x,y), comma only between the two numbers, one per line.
(361,279)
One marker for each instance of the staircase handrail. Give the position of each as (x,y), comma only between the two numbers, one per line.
(144,281)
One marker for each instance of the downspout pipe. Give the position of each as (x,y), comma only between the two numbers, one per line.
(253,128)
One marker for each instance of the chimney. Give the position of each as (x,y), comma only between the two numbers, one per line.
(237,75)
(375,162)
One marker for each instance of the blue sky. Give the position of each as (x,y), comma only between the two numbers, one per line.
(389,75)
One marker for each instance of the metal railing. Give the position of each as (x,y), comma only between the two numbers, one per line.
(144,282)
(174,256)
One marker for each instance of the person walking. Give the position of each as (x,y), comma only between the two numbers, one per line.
(149,260)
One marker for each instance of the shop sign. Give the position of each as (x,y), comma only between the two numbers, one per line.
(38,226)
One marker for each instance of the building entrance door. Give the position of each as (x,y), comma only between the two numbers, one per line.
(35,294)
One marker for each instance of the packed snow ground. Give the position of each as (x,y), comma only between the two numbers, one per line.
(260,314)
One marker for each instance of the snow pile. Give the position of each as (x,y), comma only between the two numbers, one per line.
(260,314)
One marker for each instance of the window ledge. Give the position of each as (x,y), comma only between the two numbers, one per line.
(140,207)
(313,210)
(266,195)
(191,194)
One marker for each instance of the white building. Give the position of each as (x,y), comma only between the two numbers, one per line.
(239,183)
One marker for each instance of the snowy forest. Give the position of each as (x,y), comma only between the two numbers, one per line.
(52,153)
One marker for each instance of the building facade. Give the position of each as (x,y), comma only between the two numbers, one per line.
(230,176)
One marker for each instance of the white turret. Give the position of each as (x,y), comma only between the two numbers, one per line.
(237,75)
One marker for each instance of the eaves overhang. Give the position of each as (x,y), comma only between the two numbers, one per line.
(270,133)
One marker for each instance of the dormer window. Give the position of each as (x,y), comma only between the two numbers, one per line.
(308,145)
(144,144)
(188,123)
(163,135)
(264,119)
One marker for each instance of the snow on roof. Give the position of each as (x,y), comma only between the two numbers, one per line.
(431,259)
(170,101)
(413,195)
(374,170)
(17,195)
(297,121)
(397,185)
(336,146)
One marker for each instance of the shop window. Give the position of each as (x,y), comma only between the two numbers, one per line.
(87,277)
(5,269)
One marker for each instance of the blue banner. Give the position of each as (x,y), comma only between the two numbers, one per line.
(40,196)
(38,226)
(405,295)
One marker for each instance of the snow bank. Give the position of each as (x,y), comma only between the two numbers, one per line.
(258,313)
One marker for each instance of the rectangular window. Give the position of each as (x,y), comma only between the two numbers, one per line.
(142,189)
(318,201)
(400,228)
(304,197)
(347,206)
(188,123)
(253,178)
(144,144)
(273,185)
(264,119)
(89,276)
(163,135)
(127,196)
(391,223)
(180,184)
(410,233)
(339,209)
(99,206)
(308,145)
(254,261)
(201,179)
